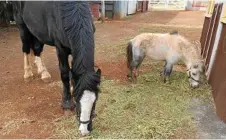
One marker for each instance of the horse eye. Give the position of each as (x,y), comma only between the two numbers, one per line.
(193,73)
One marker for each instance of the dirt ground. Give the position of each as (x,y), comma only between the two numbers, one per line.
(29,110)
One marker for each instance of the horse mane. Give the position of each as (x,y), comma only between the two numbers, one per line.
(89,82)
(78,26)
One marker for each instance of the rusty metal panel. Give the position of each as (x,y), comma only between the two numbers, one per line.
(217,77)
(204,32)
(95,9)
(144,6)
(139,6)
(212,39)
(209,33)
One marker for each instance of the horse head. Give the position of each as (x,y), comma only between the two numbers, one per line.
(85,105)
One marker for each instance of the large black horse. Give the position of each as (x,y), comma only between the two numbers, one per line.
(69,27)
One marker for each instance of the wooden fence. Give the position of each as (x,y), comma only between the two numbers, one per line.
(213,42)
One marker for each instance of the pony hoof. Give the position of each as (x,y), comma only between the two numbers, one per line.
(164,80)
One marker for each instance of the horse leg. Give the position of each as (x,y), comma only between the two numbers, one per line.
(26,38)
(167,70)
(67,102)
(28,75)
(38,48)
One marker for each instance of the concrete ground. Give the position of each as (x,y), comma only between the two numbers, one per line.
(209,124)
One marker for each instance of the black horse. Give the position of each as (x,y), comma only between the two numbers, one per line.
(69,27)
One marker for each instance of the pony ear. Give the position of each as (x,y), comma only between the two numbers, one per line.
(195,66)
(98,72)
(202,69)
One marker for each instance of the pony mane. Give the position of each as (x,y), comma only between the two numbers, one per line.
(78,27)
(190,50)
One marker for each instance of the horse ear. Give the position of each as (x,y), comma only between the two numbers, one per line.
(98,72)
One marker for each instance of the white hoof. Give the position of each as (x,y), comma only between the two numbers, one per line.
(46,77)
(28,75)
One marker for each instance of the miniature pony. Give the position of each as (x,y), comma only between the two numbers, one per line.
(168,47)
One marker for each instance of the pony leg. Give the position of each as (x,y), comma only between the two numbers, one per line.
(37,49)
(28,75)
(167,71)
(67,102)
(134,76)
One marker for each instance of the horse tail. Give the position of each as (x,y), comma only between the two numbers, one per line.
(129,54)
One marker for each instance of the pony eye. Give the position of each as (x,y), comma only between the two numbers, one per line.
(193,73)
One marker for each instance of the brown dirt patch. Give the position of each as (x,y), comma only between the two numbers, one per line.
(114,70)
(118,70)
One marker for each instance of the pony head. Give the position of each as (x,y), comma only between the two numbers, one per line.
(195,72)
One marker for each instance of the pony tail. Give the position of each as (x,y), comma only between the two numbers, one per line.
(174,33)
(129,54)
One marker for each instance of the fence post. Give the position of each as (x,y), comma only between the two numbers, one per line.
(102,11)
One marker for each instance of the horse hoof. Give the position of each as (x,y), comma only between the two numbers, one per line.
(69,112)
(46,77)
(28,78)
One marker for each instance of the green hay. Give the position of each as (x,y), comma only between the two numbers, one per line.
(149,109)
